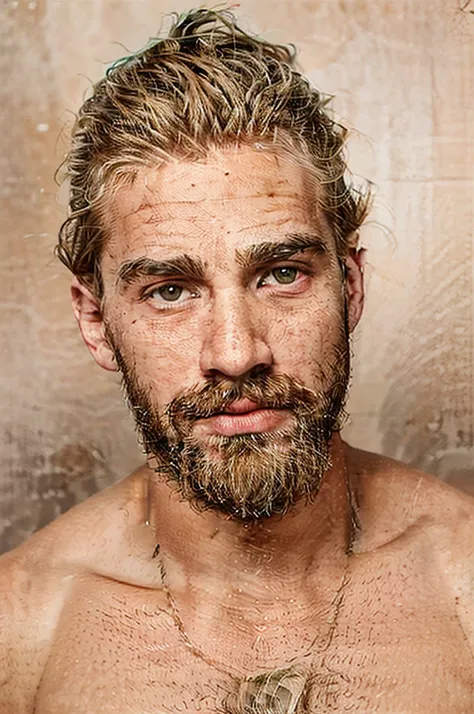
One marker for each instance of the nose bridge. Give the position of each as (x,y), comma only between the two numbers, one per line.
(233,343)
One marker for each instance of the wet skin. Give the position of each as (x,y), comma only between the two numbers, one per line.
(87,626)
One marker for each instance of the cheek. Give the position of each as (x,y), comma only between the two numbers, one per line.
(162,358)
(302,340)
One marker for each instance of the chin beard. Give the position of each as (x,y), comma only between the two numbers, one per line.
(252,476)
(247,476)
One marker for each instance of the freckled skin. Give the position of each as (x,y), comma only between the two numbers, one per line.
(86,623)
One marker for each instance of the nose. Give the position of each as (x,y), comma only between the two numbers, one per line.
(233,341)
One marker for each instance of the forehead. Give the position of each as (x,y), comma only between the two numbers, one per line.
(228,200)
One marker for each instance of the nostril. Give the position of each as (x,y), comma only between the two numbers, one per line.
(216,376)
(259,370)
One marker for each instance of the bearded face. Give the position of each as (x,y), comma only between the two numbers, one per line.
(228,314)
(252,475)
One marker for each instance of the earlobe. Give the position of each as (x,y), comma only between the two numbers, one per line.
(355,286)
(88,313)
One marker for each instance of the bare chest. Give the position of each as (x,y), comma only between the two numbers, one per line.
(119,651)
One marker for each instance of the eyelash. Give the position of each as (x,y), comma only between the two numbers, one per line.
(147,294)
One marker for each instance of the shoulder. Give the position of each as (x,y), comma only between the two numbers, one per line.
(400,504)
(30,602)
(105,535)
(36,578)
(393,492)
(394,497)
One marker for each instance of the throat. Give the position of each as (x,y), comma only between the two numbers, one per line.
(240,634)
(256,595)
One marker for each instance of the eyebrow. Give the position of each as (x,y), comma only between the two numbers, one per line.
(271,251)
(182,265)
(186,266)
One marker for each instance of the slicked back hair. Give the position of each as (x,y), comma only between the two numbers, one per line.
(207,84)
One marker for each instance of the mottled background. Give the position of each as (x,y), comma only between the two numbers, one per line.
(402,73)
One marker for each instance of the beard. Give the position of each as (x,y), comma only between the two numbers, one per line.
(253,475)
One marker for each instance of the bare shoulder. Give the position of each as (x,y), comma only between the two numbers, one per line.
(391,492)
(36,577)
(30,599)
(402,505)
(103,535)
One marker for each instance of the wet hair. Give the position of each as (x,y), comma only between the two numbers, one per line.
(207,84)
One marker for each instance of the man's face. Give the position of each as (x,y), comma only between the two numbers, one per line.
(224,305)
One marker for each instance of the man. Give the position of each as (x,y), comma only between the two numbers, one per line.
(257,563)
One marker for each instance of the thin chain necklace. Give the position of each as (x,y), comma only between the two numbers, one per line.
(279,691)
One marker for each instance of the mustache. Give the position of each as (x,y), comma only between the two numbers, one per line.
(267,391)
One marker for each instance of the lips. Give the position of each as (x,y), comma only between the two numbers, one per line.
(241,406)
(245,417)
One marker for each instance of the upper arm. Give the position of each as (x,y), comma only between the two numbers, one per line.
(25,631)
(12,636)
(454,543)
(464,579)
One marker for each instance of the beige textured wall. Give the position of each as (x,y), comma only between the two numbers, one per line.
(402,71)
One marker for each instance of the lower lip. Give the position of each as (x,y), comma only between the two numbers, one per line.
(254,422)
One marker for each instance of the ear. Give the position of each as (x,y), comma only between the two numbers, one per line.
(355,285)
(91,324)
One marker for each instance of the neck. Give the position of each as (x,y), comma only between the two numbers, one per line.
(258,596)
(209,554)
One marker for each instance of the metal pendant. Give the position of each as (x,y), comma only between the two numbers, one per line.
(274,693)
